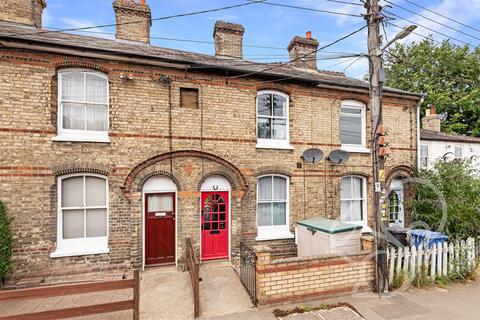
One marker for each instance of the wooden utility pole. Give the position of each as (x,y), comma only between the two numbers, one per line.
(374,19)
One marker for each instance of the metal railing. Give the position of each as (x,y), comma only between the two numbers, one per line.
(248,270)
(193,267)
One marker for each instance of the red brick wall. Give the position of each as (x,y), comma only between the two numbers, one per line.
(294,279)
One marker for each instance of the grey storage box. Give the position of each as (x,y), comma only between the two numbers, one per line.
(320,236)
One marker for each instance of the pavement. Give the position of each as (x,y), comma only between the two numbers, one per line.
(166,294)
(459,301)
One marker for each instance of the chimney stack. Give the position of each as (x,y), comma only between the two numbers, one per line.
(28,12)
(302,51)
(228,39)
(432,121)
(128,11)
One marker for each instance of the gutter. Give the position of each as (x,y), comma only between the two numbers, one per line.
(409,95)
(90,54)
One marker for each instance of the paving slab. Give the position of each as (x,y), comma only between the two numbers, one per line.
(221,291)
(165,294)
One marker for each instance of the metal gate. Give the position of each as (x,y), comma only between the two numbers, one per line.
(248,270)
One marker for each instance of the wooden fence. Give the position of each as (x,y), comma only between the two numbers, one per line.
(194,268)
(72,289)
(438,260)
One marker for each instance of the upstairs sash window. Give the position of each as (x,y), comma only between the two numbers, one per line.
(82,105)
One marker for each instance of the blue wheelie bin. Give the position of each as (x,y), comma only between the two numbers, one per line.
(418,237)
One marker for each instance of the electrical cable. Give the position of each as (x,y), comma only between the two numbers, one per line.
(443,16)
(302,56)
(423,26)
(250,2)
(432,20)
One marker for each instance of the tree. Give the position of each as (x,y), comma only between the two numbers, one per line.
(454,183)
(5,244)
(447,73)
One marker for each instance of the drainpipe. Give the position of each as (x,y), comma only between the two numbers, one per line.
(418,129)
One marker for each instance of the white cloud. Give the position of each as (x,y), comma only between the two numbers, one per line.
(71,23)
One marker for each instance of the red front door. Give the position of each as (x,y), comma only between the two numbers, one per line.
(159,228)
(214,225)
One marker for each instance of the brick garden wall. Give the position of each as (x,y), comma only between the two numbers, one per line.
(140,130)
(303,278)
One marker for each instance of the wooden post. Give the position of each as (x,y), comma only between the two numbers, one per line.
(136,294)
(433,258)
(406,260)
(419,259)
(451,258)
(439,257)
(413,259)
(392,265)
(445,259)
(399,260)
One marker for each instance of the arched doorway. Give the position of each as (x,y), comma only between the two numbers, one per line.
(159,195)
(215,218)
(396,212)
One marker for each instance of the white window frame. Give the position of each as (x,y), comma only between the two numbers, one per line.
(274,143)
(362,147)
(364,221)
(420,157)
(454,152)
(280,231)
(80,135)
(79,246)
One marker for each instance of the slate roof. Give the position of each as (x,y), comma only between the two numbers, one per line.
(441,136)
(15,32)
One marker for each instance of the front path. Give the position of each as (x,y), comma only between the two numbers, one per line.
(458,301)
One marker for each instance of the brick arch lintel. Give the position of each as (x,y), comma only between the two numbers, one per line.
(398,172)
(237,179)
(75,64)
(216,173)
(284,171)
(158,173)
(81,167)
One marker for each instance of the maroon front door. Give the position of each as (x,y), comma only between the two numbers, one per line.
(214,225)
(159,228)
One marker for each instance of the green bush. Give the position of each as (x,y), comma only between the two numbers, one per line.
(457,183)
(5,244)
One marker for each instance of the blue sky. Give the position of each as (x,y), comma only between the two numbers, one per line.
(271,26)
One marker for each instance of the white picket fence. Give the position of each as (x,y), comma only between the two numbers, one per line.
(439,259)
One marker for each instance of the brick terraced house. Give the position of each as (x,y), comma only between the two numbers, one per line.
(114,151)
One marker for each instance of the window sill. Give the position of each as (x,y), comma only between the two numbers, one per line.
(281,145)
(72,252)
(280,236)
(355,149)
(81,138)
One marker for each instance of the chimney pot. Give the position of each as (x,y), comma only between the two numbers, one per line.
(302,51)
(127,13)
(28,12)
(432,121)
(228,39)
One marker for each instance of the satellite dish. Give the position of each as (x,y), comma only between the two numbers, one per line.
(338,156)
(312,155)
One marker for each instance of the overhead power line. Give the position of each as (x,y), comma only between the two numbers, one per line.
(443,16)
(413,32)
(302,56)
(250,2)
(346,2)
(206,42)
(423,26)
(310,9)
(432,20)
